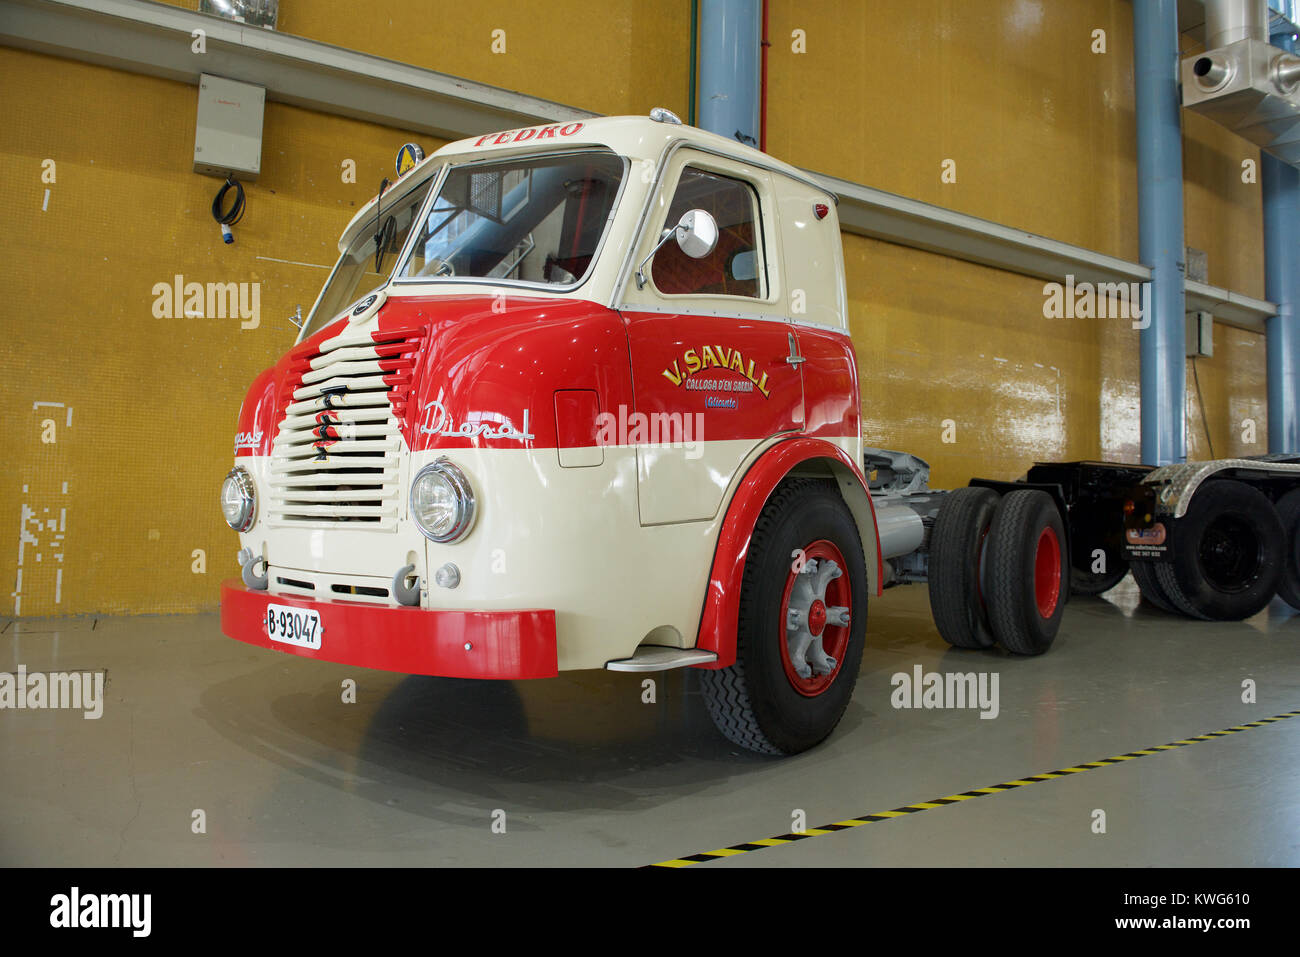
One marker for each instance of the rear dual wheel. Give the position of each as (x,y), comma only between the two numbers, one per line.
(998,570)
(1288,511)
(956,558)
(1027,577)
(1226,554)
(1144,573)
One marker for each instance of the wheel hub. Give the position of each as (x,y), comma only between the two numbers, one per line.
(808,615)
(1047,572)
(1230,554)
(817,618)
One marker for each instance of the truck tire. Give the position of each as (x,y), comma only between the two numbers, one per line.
(1288,510)
(956,551)
(1226,553)
(1144,573)
(1026,581)
(796,660)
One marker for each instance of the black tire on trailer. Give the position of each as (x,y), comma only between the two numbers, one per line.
(1288,510)
(1092,528)
(1025,581)
(762,702)
(1144,573)
(1225,554)
(956,549)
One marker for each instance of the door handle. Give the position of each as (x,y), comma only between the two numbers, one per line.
(794,358)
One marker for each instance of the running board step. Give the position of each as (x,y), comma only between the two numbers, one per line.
(661,658)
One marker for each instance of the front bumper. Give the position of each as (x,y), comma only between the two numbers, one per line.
(419,641)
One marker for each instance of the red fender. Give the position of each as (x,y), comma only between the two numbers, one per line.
(721,615)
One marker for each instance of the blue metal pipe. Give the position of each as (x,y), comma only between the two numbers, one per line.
(1160,230)
(731,33)
(1281,184)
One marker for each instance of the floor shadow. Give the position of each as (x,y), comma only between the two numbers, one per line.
(442,747)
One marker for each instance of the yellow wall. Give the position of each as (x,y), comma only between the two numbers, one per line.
(608,56)
(153,400)
(1041,130)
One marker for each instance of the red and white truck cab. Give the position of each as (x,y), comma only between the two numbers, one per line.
(575,396)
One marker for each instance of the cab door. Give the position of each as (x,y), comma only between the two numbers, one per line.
(715,364)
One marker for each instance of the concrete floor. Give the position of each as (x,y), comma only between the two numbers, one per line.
(288,774)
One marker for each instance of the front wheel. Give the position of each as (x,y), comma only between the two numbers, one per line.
(801,628)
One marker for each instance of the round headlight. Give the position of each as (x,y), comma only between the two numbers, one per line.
(442,502)
(238,502)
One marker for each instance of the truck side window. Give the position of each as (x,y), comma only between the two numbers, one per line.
(734,268)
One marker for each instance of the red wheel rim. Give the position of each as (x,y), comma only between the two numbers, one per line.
(835,638)
(1047,572)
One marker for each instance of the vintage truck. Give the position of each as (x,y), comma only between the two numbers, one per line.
(583,396)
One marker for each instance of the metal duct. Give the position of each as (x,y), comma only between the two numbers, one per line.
(1227,21)
(1242,82)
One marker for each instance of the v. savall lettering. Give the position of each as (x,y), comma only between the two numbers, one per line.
(715,357)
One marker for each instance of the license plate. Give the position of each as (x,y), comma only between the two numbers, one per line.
(294,626)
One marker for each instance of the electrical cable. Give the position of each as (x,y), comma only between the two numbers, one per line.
(235,214)
(1205,422)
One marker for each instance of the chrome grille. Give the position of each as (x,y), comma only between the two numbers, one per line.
(335,457)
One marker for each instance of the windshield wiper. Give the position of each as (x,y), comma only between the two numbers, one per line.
(383,231)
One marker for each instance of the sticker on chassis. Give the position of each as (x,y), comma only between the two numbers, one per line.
(294,626)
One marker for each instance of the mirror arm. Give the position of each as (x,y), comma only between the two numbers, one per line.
(640,274)
(296,318)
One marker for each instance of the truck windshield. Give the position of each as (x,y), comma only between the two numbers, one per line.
(536,219)
(369,259)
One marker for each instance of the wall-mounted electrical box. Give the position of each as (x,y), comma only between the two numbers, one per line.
(228,134)
(1200,334)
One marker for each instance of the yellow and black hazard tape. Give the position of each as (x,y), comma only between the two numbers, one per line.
(811,832)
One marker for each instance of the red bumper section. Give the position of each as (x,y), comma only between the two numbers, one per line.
(418,641)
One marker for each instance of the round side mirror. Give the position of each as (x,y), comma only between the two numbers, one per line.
(697,233)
